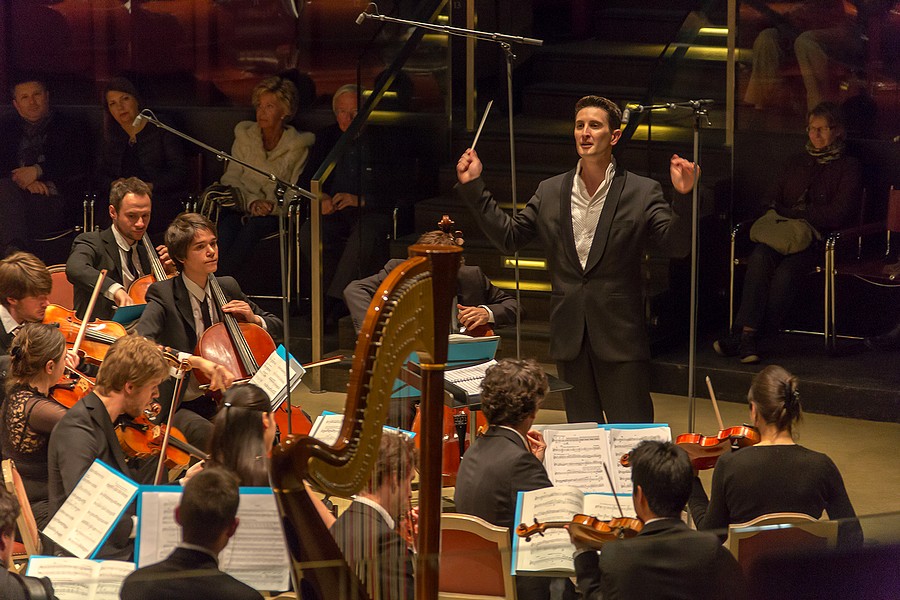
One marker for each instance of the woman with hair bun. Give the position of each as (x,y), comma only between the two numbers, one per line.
(28,414)
(777,474)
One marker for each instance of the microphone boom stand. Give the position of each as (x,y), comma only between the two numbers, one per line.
(281,188)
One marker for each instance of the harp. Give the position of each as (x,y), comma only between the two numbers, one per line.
(410,312)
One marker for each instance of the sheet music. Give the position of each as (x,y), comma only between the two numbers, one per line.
(85,519)
(256,555)
(327,428)
(603,506)
(624,440)
(469,378)
(575,457)
(81,579)
(553,551)
(270,376)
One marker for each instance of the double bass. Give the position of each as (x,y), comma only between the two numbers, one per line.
(410,312)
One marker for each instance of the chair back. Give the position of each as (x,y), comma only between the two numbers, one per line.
(778,532)
(475,560)
(62,292)
(27,526)
(893,212)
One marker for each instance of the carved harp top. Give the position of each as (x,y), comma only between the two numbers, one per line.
(409,313)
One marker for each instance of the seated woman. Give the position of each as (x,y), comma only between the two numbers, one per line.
(144,151)
(822,186)
(28,414)
(777,474)
(272,145)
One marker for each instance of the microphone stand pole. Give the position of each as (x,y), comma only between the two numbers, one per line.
(505,42)
(281,188)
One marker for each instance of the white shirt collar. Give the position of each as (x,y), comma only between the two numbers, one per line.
(379,508)
(121,241)
(195,290)
(521,437)
(9,323)
(603,188)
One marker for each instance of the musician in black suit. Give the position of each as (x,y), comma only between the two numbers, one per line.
(667,559)
(12,585)
(595,223)
(367,533)
(208,518)
(179,310)
(127,383)
(508,458)
(479,302)
(118,249)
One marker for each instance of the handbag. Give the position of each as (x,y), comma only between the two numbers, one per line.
(784,235)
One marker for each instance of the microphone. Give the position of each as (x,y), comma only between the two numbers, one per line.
(626,114)
(138,119)
(362,17)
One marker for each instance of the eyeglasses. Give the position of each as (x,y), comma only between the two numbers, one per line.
(825,129)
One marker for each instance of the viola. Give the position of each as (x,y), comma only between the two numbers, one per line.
(98,336)
(241,348)
(705,450)
(140,438)
(137,291)
(586,530)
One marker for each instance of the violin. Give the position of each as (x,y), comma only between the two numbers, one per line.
(140,438)
(705,450)
(72,388)
(98,335)
(241,348)
(586,530)
(137,291)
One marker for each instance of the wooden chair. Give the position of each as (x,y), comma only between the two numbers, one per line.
(25,523)
(62,292)
(778,532)
(475,560)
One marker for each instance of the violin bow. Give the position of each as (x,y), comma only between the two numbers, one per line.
(182,367)
(712,396)
(613,488)
(88,312)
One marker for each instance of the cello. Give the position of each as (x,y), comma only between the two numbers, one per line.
(137,291)
(241,348)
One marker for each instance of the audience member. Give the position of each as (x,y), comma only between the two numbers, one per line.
(28,413)
(822,186)
(356,219)
(507,459)
(270,143)
(207,515)
(141,150)
(667,559)
(44,166)
(777,474)
(118,249)
(367,531)
(12,585)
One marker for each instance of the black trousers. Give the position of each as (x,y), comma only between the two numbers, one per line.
(606,392)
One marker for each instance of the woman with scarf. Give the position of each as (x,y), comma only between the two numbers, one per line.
(823,186)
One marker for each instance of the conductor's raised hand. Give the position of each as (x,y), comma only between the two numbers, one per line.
(683,175)
(469,167)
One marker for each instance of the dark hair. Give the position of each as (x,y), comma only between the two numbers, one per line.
(613,113)
(512,390)
(208,505)
(32,348)
(664,472)
(237,438)
(776,394)
(9,511)
(120,84)
(397,457)
(23,79)
(829,111)
(123,186)
(181,232)
(21,275)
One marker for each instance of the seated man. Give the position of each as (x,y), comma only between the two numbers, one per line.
(118,249)
(367,533)
(207,515)
(479,302)
(508,458)
(668,558)
(44,166)
(127,384)
(12,585)
(354,226)
(25,285)
(179,310)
